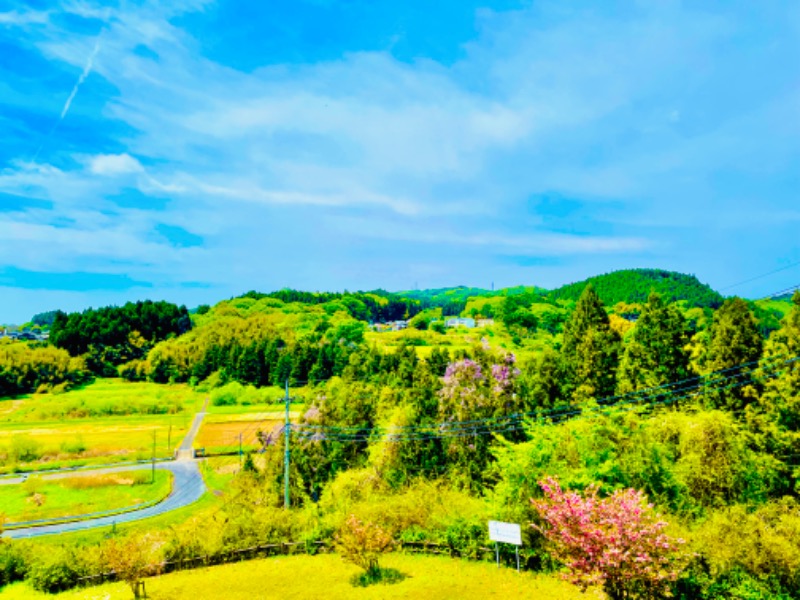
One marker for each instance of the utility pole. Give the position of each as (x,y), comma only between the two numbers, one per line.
(153,478)
(287,429)
(169,436)
(240,451)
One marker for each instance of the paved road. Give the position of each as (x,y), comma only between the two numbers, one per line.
(185,449)
(187,487)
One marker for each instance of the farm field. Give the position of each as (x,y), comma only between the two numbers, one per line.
(39,498)
(104,422)
(327,576)
(221,432)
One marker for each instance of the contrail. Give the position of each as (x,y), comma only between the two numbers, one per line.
(86,70)
(84,74)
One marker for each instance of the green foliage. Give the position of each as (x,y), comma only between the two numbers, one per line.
(111,336)
(24,448)
(55,571)
(635,285)
(758,550)
(14,563)
(656,352)
(45,318)
(26,368)
(377,575)
(590,350)
(687,463)
(734,340)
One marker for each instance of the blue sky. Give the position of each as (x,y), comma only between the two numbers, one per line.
(192,150)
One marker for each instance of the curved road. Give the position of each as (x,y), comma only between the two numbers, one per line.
(187,487)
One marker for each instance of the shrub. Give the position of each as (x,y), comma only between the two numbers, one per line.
(465,537)
(617,542)
(54,572)
(13,563)
(131,559)
(363,543)
(767,547)
(24,449)
(74,446)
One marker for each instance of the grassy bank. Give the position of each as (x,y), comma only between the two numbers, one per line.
(37,498)
(327,576)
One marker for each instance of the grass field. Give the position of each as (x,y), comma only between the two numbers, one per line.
(106,421)
(50,445)
(327,576)
(103,398)
(81,494)
(219,435)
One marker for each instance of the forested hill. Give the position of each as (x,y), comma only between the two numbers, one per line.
(634,285)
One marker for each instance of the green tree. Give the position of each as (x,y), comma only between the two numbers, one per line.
(777,414)
(656,351)
(590,350)
(541,381)
(735,345)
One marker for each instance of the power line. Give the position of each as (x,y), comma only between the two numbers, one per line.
(757,277)
(493,425)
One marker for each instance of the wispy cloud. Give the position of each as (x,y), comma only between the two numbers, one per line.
(668,113)
(87,68)
(16,18)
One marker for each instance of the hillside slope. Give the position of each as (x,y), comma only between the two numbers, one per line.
(634,285)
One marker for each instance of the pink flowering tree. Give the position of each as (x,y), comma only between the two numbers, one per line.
(617,542)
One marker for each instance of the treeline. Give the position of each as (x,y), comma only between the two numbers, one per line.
(113,335)
(634,286)
(373,306)
(252,351)
(593,365)
(26,368)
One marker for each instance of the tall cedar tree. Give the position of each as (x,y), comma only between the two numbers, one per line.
(735,345)
(781,398)
(590,351)
(656,351)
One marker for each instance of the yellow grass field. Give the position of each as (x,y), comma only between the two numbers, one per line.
(223,434)
(327,576)
(109,439)
(105,421)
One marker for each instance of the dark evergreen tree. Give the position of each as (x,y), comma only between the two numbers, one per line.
(590,351)
(734,346)
(655,353)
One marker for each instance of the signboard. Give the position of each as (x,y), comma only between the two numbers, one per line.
(508,533)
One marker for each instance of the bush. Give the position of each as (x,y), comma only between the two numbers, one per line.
(24,449)
(766,548)
(616,542)
(465,537)
(13,563)
(363,543)
(54,572)
(74,446)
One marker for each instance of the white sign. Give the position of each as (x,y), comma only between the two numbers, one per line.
(508,533)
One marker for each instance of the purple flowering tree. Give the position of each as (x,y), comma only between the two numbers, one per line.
(476,401)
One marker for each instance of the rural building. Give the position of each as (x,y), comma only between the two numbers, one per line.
(465,321)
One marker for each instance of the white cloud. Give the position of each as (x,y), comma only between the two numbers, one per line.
(114,164)
(572,103)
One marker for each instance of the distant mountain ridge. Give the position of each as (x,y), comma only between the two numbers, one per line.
(635,285)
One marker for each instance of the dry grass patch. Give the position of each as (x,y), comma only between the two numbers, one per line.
(226,434)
